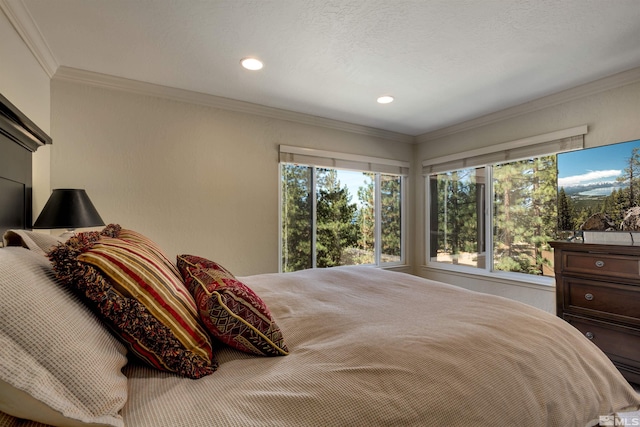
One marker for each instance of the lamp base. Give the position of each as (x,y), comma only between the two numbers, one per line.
(68,234)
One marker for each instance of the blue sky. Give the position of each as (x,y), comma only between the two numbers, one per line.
(594,164)
(353,180)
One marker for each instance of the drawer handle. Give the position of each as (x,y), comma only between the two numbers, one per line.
(599,263)
(589,335)
(588,297)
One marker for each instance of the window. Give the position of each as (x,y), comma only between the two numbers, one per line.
(498,212)
(602,179)
(457,206)
(333,216)
(524,215)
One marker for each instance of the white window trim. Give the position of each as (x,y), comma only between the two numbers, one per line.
(346,161)
(475,271)
(553,142)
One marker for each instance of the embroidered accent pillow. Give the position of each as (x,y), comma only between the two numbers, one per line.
(231,311)
(141,298)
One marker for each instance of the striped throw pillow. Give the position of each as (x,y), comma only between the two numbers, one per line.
(150,245)
(141,297)
(230,310)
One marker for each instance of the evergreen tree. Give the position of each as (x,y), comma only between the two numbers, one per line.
(566,212)
(390,220)
(456,208)
(366,221)
(336,226)
(525,216)
(631,175)
(462,222)
(615,204)
(296,217)
(544,209)
(584,214)
(508,201)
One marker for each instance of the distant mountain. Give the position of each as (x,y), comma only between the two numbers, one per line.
(603,188)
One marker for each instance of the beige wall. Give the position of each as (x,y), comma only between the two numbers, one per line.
(196,179)
(173,170)
(611,116)
(26,85)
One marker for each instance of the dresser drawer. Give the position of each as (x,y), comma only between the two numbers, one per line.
(622,266)
(621,344)
(613,299)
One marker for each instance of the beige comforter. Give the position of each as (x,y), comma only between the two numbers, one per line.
(375,348)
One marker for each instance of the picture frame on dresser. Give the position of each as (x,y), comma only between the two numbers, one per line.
(598,292)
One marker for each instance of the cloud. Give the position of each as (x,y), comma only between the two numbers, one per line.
(589,177)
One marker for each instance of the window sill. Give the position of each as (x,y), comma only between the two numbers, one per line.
(515,279)
(402,268)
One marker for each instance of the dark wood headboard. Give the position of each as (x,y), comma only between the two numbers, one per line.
(19,137)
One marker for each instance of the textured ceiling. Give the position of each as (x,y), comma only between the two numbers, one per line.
(444,61)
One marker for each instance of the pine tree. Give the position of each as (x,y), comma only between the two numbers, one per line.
(336,227)
(508,184)
(455,205)
(631,175)
(525,213)
(296,217)
(366,221)
(566,211)
(391,219)
(544,209)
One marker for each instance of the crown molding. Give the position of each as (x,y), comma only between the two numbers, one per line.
(25,26)
(143,88)
(611,82)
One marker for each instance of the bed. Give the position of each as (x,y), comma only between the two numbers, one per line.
(332,347)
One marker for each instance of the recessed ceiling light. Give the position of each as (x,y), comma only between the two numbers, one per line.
(386,99)
(252,64)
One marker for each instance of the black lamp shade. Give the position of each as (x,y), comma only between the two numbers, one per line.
(70,209)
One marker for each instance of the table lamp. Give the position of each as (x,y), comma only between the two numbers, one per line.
(70,209)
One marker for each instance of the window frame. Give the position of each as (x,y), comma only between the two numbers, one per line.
(532,147)
(377,212)
(487,270)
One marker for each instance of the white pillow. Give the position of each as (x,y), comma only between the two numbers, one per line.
(59,364)
(37,242)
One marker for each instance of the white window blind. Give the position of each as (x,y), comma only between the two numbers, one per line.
(331,159)
(535,146)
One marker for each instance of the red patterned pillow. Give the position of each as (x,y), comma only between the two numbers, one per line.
(231,311)
(141,298)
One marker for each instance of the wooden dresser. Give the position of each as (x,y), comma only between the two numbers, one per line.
(598,292)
